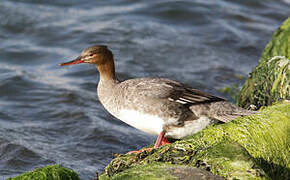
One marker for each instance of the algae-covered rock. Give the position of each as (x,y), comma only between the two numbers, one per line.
(50,172)
(164,171)
(279,44)
(269,82)
(252,147)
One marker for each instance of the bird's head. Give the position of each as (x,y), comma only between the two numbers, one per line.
(97,54)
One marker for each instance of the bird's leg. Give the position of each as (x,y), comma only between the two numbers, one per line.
(161,140)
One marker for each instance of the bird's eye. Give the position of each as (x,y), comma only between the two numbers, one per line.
(91,55)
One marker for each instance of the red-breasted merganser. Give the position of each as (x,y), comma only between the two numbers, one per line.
(157,106)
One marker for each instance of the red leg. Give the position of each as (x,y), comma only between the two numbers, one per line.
(159,139)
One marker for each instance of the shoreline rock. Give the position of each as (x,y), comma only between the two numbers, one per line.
(49,172)
(244,148)
(270,80)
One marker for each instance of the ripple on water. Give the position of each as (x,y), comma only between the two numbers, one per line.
(16,158)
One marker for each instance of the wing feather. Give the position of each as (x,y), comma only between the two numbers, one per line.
(173,91)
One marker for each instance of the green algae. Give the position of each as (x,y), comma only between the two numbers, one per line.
(50,172)
(157,171)
(154,171)
(269,81)
(251,147)
(268,140)
(280,43)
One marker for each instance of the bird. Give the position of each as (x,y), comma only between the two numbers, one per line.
(158,106)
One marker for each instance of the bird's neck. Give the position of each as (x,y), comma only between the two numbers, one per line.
(107,72)
(107,83)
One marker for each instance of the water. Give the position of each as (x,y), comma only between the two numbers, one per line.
(51,114)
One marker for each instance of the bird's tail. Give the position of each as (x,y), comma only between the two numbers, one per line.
(222,111)
(228,112)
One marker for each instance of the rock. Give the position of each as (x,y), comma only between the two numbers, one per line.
(165,171)
(253,147)
(270,79)
(50,172)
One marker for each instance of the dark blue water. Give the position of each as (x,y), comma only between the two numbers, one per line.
(50,114)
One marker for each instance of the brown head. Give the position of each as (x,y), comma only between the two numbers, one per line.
(98,55)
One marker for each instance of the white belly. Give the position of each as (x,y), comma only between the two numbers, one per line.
(189,128)
(145,122)
(154,125)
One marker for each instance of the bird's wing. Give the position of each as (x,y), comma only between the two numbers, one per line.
(173,91)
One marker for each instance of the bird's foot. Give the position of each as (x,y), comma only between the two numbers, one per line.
(163,142)
(139,151)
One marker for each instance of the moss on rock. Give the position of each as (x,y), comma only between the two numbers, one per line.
(280,43)
(50,172)
(253,147)
(163,171)
(269,81)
